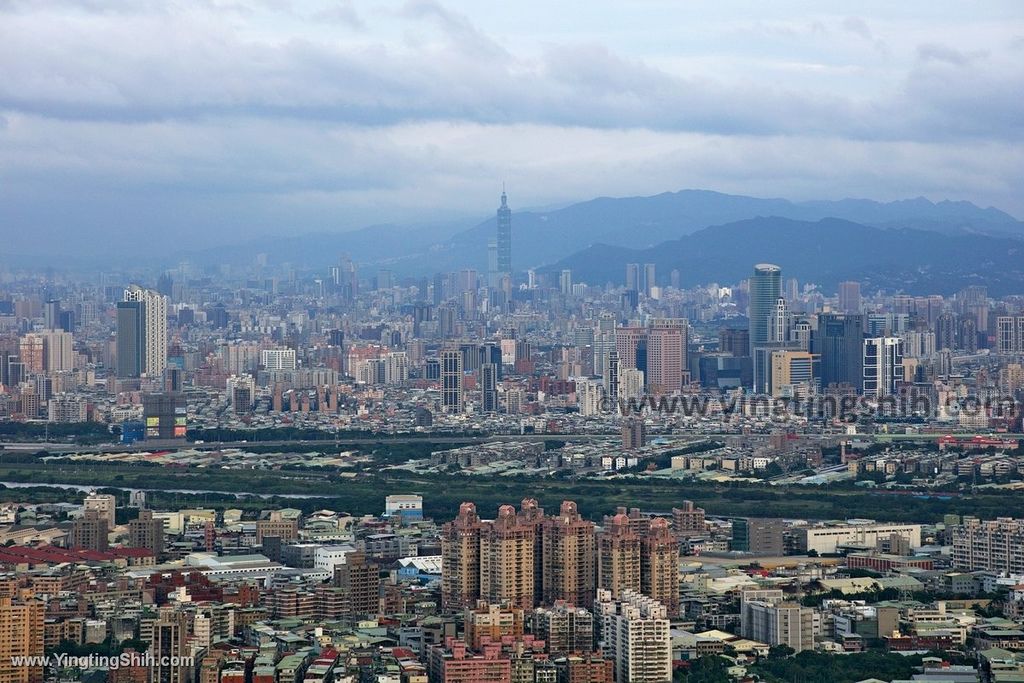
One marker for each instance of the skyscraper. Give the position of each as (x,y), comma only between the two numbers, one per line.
(130,331)
(618,556)
(489,388)
(451,381)
(504,237)
(883,365)
(460,560)
(839,343)
(507,560)
(765,290)
(568,552)
(659,565)
(152,331)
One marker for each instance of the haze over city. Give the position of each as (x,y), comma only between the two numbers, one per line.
(193,124)
(457,342)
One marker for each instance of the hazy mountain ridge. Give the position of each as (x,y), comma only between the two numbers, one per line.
(825,252)
(545,237)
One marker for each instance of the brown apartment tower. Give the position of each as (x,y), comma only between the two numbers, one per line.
(569,555)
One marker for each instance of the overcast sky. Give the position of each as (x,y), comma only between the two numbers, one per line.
(222,120)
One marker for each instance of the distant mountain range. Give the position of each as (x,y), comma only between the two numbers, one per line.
(546,237)
(825,252)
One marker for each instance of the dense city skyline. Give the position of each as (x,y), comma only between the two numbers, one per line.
(437,341)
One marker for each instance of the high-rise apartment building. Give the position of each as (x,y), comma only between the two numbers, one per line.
(1010,334)
(618,556)
(147,531)
(507,560)
(89,532)
(568,552)
(104,504)
(567,629)
(488,388)
(22,626)
(451,381)
(659,565)
(883,366)
(168,638)
(359,580)
(635,636)
(996,545)
(154,328)
(460,560)
(278,359)
(688,520)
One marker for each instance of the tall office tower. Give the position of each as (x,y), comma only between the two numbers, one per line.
(89,532)
(883,365)
(154,328)
(666,355)
(568,552)
(146,531)
(451,381)
(22,625)
(611,376)
(792,373)
(58,350)
(659,565)
(51,314)
(168,638)
(488,388)
(32,350)
(278,359)
(945,332)
(688,520)
(780,323)
(849,297)
(507,560)
(460,560)
(104,504)
(359,581)
(734,341)
(633,276)
(631,345)
(635,636)
(650,280)
(566,628)
(765,289)
(839,343)
(565,282)
(618,556)
(241,392)
(504,237)
(131,352)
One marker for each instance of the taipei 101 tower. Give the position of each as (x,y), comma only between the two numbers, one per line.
(504,237)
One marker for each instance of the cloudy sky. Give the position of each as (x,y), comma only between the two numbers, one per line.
(213,121)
